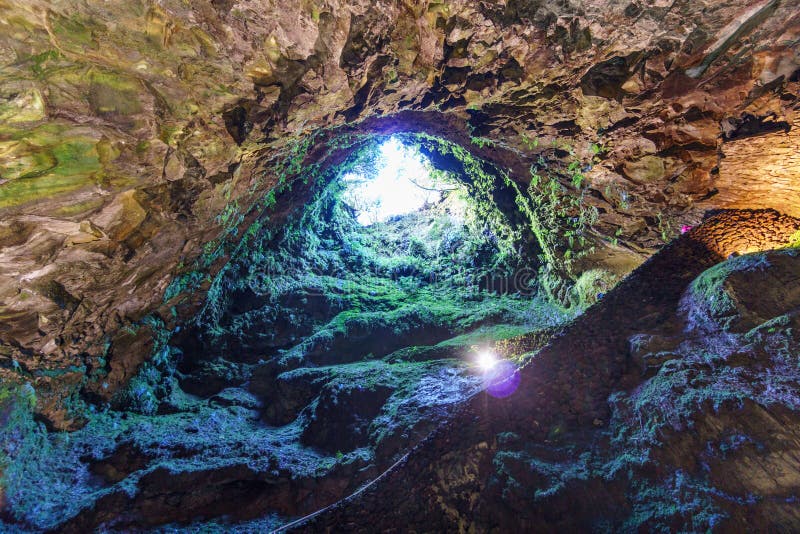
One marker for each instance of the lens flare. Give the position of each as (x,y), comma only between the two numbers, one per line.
(486,360)
(503,380)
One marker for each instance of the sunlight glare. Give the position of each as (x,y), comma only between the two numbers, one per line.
(402,185)
(486,360)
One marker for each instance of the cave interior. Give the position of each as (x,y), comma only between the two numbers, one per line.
(430,266)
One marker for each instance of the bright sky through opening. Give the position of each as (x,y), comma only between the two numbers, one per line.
(402,184)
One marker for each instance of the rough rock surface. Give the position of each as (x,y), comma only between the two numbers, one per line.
(593,437)
(134,132)
(144,146)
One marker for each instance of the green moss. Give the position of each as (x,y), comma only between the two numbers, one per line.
(24,451)
(76,31)
(110,92)
(561,219)
(183,283)
(431,271)
(20,108)
(39,63)
(553,475)
(74,157)
(592,285)
(30,162)
(142,147)
(708,298)
(57,161)
(360,304)
(154,380)
(486,335)
(794,240)
(679,499)
(21,191)
(78,208)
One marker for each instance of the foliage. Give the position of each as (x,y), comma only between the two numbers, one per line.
(26,454)
(794,240)
(481,142)
(154,379)
(530,142)
(399,277)
(485,185)
(665,230)
(564,218)
(428,268)
(317,293)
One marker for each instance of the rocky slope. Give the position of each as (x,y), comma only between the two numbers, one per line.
(671,405)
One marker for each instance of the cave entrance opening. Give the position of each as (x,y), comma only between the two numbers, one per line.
(326,345)
(400,181)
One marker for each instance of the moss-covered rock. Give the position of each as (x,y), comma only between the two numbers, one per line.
(745,291)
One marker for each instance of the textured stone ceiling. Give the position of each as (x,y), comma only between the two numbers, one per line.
(132,132)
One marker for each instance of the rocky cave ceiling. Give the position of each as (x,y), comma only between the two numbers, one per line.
(141,142)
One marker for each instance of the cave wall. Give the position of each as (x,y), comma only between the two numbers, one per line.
(137,137)
(768,164)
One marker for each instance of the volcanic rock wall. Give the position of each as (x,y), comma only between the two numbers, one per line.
(134,133)
(768,163)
